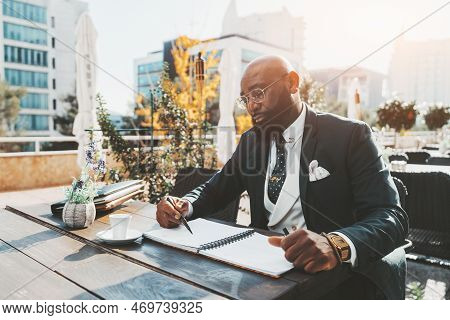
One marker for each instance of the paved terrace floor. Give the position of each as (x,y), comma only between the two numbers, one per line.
(435,280)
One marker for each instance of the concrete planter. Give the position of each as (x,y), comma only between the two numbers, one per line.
(78,216)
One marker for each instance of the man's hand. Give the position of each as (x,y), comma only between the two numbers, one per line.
(307,250)
(169,216)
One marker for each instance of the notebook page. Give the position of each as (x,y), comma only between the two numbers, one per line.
(204,231)
(253,253)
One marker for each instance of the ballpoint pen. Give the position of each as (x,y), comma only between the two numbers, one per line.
(183,219)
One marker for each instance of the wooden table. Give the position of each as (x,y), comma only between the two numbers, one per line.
(425,168)
(42,259)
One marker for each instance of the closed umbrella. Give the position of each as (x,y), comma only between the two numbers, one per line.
(229,69)
(86,57)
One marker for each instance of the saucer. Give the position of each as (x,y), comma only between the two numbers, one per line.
(107,236)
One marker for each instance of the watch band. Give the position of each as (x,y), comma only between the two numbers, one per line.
(335,249)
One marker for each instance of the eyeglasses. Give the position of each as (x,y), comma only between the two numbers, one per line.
(256,95)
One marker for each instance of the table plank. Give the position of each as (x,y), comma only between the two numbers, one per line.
(218,277)
(23,278)
(106,275)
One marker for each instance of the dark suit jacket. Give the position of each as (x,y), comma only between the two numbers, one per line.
(359,198)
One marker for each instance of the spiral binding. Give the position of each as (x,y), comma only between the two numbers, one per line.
(227,240)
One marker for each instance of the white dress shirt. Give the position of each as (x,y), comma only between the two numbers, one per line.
(288,212)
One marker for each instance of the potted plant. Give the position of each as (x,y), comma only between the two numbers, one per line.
(437,117)
(79,210)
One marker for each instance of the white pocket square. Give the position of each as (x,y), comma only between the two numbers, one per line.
(317,173)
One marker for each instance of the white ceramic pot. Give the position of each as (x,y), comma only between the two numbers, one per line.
(78,215)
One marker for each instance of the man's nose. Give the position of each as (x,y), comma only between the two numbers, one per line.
(252,107)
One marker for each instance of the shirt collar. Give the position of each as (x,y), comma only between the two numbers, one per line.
(295,131)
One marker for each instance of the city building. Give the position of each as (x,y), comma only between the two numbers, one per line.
(37,41)
(337,84)
(279,29)
(420,71)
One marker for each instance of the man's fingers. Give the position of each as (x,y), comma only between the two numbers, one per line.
(275,241)
(298,236)
(296,250)
(171,217)
(316,265)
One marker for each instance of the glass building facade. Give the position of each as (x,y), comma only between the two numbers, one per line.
(23,33)
(148,76)
(32,122)
(34,101)
(22,10)
(26,78)
(25,56)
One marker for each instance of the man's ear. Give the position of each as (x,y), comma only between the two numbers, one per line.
(294,82)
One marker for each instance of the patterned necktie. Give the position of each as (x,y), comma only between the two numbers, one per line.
(278,175)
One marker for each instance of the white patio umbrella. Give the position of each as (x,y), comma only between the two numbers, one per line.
(354,105)
(85,59)
(229,90)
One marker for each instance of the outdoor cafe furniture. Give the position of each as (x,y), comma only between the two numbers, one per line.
(43,259)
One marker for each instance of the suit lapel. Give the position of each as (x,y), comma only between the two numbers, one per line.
(309,142)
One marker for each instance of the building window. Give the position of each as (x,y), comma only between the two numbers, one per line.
(53,22)
(54,83)
(25,11)
(54,104)
(32,122)
(26,78)
(150,67)
(53,63)
(26,34)
(25,56)
(34,101)
(53,42)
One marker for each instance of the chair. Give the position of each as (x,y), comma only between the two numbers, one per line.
(417,157)
(189,178)
(398,157)
(402,191)
(428,205)
(430,148)
(439,161)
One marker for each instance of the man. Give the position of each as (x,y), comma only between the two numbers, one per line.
(319,176)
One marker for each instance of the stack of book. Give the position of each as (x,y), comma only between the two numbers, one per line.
(109,196)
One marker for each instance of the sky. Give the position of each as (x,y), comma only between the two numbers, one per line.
(337,34)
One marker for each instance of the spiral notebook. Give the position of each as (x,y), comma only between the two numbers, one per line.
(241,247)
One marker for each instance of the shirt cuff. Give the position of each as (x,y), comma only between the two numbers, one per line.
(190,209)
(353,255)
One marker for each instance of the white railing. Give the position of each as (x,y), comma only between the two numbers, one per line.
(37,141)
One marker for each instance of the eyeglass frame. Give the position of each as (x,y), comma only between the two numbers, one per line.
(254,99)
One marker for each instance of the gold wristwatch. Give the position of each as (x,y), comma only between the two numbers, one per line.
(341,246)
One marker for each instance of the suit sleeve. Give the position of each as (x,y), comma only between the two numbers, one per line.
(382,225)
(224,187)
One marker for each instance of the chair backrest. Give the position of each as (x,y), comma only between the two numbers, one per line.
(418,157)
(402,191)
(190,178)
(428,203)
(430,148)
(439,161)
(398,157)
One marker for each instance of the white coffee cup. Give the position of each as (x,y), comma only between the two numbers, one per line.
(119,225)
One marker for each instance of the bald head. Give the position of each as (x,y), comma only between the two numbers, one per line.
(277,102)
(268,66)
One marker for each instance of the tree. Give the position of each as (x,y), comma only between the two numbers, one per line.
(313,93)
(9,106)
(158,168)
(64,122)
